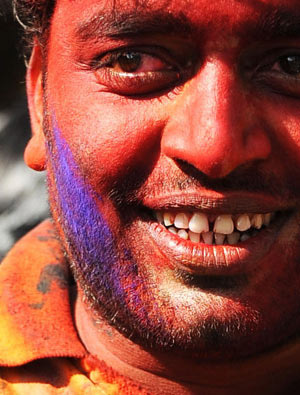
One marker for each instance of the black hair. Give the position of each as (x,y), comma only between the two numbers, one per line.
(34,16)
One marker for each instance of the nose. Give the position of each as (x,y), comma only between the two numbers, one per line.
(214,125)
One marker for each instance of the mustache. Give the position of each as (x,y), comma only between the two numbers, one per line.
(164,180)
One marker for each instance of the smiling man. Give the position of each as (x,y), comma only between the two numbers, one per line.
(170,131)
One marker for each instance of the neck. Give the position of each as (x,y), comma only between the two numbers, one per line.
(162,373)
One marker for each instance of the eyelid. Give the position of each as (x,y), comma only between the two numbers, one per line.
(269,80)
(262,60)
(154,51)
(149,83)
(141,84)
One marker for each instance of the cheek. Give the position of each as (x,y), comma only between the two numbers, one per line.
(85,225)
(111,139)
(291,133)
(281,117)
(76,208)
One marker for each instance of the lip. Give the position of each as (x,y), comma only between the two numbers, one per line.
(218,203)
(222,260)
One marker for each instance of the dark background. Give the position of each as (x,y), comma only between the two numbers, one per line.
(23,201)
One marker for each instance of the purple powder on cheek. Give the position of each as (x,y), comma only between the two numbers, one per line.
(90,239)
(109,271)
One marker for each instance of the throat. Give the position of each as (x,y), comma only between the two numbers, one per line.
(120,362)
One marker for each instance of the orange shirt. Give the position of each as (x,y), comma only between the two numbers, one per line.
(40,352)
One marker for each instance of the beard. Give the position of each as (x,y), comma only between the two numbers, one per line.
(166,310)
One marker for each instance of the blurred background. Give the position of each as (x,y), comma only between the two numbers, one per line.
(23,202)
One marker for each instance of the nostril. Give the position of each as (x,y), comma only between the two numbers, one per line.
(248,177)
(212,177)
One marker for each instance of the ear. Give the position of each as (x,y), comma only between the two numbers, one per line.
(35,153)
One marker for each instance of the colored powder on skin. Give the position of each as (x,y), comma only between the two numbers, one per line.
(91,241)
(110,274)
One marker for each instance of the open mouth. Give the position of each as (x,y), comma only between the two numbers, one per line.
(214,235)
(223,229)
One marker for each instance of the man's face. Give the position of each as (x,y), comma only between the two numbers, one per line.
(187,109)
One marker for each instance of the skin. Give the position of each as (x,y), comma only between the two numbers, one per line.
(209,121)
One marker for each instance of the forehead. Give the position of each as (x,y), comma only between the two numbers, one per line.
(106,18)
(197,11)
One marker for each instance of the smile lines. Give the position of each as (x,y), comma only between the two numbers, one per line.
(214,229)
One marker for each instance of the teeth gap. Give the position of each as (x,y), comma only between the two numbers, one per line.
(214,229)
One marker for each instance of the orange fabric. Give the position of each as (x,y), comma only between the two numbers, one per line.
(40,352)
(51,376)
(34,302)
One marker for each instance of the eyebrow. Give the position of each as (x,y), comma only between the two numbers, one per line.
(120,24)
(279,23)
(275,24)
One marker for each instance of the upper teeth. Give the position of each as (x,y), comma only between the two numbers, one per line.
(224,224)
(224,228)
(199,223)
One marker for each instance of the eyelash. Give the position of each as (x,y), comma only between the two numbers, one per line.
(113,55)
(139,83)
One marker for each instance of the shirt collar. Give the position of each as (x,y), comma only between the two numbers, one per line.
(35,310)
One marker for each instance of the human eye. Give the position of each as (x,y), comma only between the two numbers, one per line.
(281,73)
(288,64)
(137,71)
